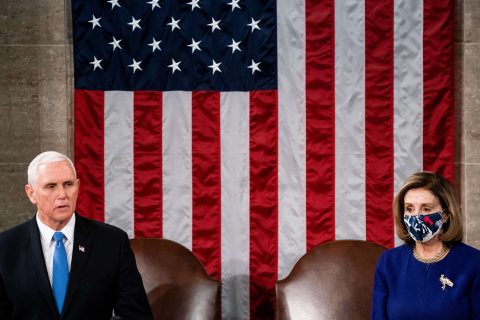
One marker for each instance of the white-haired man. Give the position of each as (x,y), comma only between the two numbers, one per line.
(60,265)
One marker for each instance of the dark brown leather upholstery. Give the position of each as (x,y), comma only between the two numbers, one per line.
(175,281)
(332,281)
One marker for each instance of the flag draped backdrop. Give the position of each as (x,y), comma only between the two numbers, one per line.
(252,130)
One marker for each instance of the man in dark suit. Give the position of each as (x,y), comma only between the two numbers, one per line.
(60,265)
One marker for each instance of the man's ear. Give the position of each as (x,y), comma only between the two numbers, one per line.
(30,193)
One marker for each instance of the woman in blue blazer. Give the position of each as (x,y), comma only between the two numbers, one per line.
(433,275)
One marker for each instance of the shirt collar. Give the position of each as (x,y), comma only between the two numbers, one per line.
(46,233)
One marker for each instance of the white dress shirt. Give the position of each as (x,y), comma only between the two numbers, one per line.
(48,244)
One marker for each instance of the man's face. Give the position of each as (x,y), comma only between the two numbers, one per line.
(54,193)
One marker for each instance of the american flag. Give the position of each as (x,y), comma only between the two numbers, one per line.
(252,130)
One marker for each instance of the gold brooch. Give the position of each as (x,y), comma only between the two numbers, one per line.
(445,282)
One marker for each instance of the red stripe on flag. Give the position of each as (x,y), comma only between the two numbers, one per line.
(263,202)
(379,121)
(89,155)
(438,86)
(147,155)
(320,122)
(206,180)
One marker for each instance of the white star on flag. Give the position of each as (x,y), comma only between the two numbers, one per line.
(194,4)
(115,43)
(234,4)
(96,63)
(154,4)
(114,3)
(95,21)
(254,24)
(234,46)
(135,65)
(155,45)
(215,66)
(254,67)
(135,24)
(195,45)
(214,24)
(175,66)
(174,24)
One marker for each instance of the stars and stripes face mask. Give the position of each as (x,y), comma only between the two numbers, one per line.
(423,227)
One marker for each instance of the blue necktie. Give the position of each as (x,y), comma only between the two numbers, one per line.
(60,271)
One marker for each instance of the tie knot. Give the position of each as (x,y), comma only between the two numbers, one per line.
(58,236)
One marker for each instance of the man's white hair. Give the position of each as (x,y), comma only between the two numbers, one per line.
(44,158)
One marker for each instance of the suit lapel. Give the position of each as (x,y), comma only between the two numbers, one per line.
(82,246)
(37,264)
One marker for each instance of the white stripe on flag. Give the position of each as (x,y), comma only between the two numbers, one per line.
(350,120)
(235,168)
(118,148)
(291,134)
(177,167)
(408,90)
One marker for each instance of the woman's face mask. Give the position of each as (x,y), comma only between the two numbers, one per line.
(423,227)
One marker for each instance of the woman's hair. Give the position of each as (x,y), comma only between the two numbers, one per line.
(445,193)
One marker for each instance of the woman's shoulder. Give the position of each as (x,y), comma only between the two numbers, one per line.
(465,259)
(466,250)
(396,253)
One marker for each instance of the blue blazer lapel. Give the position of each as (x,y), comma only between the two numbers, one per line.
(82,246)
(37,264)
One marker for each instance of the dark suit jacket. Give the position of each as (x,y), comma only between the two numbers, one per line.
(103,276)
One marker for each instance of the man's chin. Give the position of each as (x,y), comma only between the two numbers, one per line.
(63,215)
(57,219)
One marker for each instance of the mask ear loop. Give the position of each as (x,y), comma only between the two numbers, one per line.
(445,216)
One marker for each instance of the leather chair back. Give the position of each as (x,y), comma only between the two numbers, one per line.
(176,283)
(331,281)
